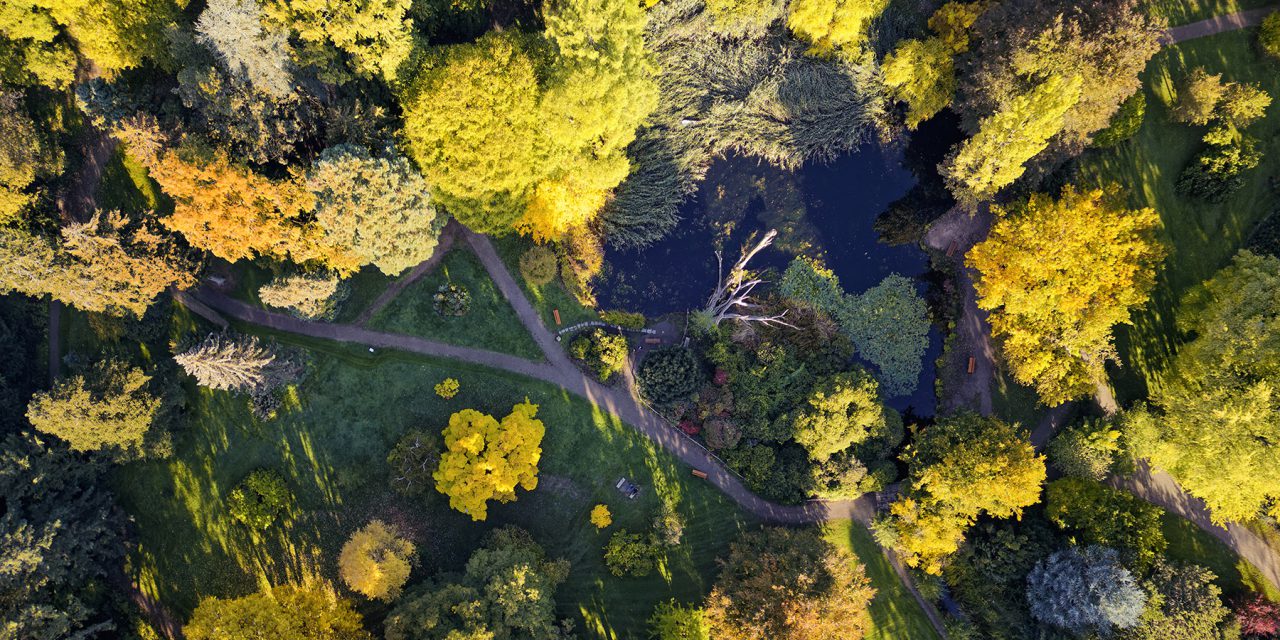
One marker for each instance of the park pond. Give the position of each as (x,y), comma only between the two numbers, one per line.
(822,210)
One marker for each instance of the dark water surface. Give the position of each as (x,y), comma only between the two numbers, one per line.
(821,210)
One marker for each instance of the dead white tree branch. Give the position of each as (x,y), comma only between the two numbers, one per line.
(732,299)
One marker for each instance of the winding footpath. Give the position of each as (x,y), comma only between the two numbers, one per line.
(559,370)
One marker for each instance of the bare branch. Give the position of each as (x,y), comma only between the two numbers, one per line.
(734,289)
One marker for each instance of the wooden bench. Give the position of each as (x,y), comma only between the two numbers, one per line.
(653,340)
(973,362)
(700,474)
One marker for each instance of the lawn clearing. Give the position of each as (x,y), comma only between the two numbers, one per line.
(895,614)
(126,187)
(546,298)
(1202,236)
(490,324)
(330,443)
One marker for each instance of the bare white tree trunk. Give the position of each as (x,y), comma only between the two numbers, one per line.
(732,299)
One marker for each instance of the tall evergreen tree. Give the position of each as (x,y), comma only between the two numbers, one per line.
(59,539)
(233,363)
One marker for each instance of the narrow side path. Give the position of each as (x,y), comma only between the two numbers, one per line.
(245,312)
(393,290)
(1160,489)
(511,290)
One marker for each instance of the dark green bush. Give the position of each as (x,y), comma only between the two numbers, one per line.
(630,554)
(1125,123)
(1269,35)
(259,499)
(538,265)
(452,300)
(604,353)
(624,319)
(1217,172)
(670,374)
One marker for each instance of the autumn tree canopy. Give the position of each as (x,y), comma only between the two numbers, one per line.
(108,410)
(1017,130)
(789,585)
(1020,44)
(373,210)
(963,466)
(285,613)
(486,460)
(505,592)
(99,265)
(1057,275)
(1213,427)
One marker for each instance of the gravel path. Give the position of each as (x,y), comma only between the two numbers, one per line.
(955,233)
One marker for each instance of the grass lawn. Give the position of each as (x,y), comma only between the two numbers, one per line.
(331,442)
(126,187)
(895,614)
(491,324)
(1191,544)
(1013,402)
(544,298)
(1202,236)
(1185,11)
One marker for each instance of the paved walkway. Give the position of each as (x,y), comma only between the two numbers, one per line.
(1217,24)
(955,233)
(1159,488)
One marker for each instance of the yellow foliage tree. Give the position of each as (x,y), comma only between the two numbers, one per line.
(447,388)
(964,466)
(831,26)
(471,123)
(997,155)
(486,460)
(376,561)
(922,72)
(233,212)
(600,516)
(97,267)
(1057,275)
(562,205)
